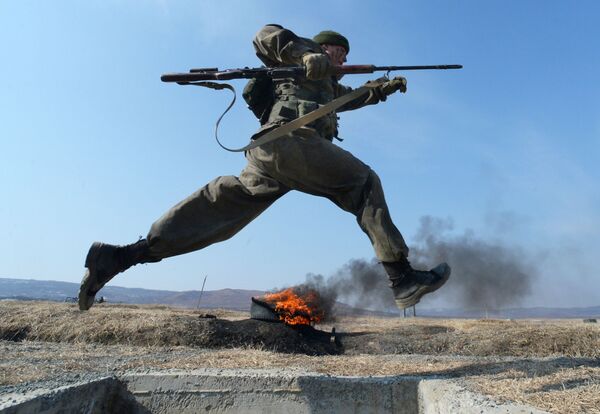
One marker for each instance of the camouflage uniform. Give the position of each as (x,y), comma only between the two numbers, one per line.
(306,160)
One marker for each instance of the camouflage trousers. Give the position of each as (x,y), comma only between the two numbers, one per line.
(302,161)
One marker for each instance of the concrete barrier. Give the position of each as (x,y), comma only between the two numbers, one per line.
(93,397)
(442,396)
(257,391)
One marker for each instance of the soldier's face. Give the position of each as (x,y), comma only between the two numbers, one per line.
(336,53)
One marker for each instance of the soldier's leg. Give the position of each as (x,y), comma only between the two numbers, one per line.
(214,213)
(311,164)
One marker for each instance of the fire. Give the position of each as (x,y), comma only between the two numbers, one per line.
(296,309)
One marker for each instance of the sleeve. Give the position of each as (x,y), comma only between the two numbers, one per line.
(373,97)
(275,45)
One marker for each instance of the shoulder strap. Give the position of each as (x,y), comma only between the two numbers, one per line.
(292,125)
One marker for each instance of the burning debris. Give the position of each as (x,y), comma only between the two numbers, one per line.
(299,308)
(293,306)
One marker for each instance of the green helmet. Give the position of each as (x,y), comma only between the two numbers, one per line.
(330,37)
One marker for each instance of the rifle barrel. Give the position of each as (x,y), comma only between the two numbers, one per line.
(360,69)
(422,67)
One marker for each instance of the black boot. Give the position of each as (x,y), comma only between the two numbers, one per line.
(410,285)
(105,261)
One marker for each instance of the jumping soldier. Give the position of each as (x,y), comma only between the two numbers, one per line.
(306,160)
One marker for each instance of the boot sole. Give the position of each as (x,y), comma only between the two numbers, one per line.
(86,300)
(413,299)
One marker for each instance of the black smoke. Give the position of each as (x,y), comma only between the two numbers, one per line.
(485,274)
(359,283)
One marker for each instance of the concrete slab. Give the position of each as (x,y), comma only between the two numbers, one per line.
(257,391)
(443,396)
(93,397)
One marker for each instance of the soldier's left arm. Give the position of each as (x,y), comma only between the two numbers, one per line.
(375,95)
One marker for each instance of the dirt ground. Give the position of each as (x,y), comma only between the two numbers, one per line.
(551,364)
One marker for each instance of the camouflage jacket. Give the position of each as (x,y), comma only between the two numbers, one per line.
(277,46)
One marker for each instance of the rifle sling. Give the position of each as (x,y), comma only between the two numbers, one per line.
(291,126)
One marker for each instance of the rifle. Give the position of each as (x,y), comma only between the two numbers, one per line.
(206,74)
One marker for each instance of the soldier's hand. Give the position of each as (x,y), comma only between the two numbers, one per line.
(393,85)
(318,65)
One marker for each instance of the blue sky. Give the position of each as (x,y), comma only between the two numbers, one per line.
(94,147)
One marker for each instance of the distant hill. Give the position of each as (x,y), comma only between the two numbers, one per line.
(21,289)
(239,299)
(513,313)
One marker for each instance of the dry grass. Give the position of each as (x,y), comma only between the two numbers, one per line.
(559,385)
(524,338)
(106,324)
(164,326)
(573,390)
(556,364)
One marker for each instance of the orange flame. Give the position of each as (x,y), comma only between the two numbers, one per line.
(294,309)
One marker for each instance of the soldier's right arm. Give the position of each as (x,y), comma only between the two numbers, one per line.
(275,45)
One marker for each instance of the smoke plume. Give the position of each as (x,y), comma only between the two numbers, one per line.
(359,283)
(485,274)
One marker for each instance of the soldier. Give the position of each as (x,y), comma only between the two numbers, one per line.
(306,160)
